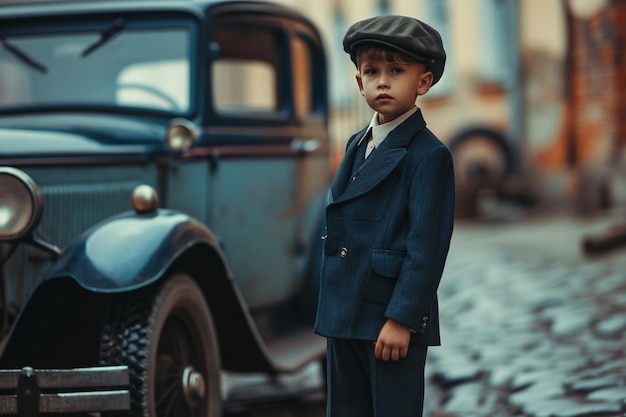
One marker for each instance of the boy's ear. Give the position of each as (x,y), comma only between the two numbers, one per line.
(359,82)
(426,80)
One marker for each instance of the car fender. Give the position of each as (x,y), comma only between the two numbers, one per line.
(130,250)
(121,254)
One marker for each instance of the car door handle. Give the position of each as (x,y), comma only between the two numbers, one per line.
(305,146)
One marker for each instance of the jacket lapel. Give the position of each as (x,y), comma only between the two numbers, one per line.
(378,165)
(344,172)
(374,170)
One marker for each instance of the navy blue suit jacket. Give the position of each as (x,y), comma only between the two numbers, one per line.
(389,226)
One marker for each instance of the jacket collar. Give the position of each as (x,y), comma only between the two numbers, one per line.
(381,131)
(378,165)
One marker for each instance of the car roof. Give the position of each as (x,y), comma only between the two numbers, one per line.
(48,8)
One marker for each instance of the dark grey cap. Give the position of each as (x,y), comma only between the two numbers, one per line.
(406,34)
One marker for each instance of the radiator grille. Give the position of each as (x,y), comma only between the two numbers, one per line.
(69,210)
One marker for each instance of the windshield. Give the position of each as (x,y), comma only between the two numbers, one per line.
(114,63)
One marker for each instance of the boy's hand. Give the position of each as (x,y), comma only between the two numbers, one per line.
(393,341)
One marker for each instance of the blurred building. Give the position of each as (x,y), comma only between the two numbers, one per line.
(595,120)
(532,102)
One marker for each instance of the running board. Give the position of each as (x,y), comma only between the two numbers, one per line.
(244,393)
(290,354)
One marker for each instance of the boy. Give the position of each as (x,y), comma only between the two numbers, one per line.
(389,223)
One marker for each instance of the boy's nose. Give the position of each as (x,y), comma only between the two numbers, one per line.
(382,82)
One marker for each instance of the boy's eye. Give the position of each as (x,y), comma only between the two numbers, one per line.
(397,70)
(369,71)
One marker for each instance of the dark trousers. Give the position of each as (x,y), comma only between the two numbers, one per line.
(359,385)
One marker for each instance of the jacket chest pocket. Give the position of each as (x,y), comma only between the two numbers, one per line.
(386,267)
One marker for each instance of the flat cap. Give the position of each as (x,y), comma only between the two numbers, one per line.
(406,34)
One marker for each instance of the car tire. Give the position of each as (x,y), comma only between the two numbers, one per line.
(482,163)
(166,336)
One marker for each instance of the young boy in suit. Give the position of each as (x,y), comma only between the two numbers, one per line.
(389,223)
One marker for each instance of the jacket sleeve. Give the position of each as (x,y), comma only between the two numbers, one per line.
(431,220)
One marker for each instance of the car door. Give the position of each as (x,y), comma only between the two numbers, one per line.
(268,139)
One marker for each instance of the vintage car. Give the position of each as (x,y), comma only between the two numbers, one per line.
(163,177)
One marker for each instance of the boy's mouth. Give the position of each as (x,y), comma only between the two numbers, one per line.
(383,97)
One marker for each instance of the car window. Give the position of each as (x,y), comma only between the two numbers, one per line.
(243,86)
(245,74)
(14,85)
(160,84)
(140,65)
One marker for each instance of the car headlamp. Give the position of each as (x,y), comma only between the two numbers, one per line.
(20,204)
(181,135)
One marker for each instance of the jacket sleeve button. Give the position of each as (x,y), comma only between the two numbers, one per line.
(343,252)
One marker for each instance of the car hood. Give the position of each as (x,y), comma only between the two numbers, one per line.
(54,135)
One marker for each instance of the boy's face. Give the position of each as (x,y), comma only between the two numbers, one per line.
(391,88)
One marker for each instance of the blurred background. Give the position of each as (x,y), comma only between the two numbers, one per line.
(532,105)
(532,101)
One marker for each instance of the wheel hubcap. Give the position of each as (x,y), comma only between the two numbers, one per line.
(194,386)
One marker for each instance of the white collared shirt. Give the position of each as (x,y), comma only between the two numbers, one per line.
(380,131)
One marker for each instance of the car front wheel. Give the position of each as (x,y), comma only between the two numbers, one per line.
(166,337)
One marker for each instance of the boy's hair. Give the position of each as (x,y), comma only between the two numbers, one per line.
(375,52)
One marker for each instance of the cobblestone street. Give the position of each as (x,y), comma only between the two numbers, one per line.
(530,326)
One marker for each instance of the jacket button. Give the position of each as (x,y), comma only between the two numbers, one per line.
(423,325)
(343,252)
